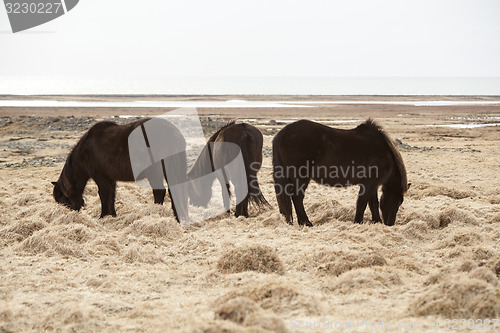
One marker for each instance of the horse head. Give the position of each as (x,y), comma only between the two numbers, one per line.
(390,201)
(65,195)
(200,189)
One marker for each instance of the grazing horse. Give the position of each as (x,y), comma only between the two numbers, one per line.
(103,155)
(216,155)
(363,156)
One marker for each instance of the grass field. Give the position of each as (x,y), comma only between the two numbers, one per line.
(142,271)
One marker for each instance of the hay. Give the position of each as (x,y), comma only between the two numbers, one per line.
(485,274)
(236,309)
(72,319)
(467,266)
(453,215)
(495,200)
(156,226)
(463,238)
(72,271)
(137,253)
(459,298)
(495,219)
(224,326)
(267,321)
(495,266)
(422,190)
(415,229)
(259,258)
(367,279)
(448,192)
(278,296)
(339,262)
(66,240)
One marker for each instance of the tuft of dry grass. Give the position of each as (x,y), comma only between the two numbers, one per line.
(339,262)
(66,240)
(268,322)
(142,254)
(236,309)
(156,226)
(459,298)
(455,216)
(259,258)
(277,296)
(368,279)
(244,311)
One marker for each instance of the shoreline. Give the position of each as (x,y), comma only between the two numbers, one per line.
(249,96)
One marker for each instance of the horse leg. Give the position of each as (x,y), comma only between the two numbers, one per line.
(242,207)
(374,207)
(298,202)
(173,206)
(226,196)
(159,196)
(112,199)
(155,179)
(361,204)
(107,191)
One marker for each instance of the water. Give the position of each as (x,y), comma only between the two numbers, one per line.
(463,125)
(251,86)
(222,104)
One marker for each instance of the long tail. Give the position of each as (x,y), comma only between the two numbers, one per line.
(256,197)
(280,183)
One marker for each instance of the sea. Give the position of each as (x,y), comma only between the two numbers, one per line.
(389,86)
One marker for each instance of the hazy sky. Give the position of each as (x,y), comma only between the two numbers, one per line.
(260,38)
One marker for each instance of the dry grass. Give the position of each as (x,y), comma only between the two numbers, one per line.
(279,297)
(236,309)
(459,297)
(368,279)
(339,262)
(259,258)
(141,271)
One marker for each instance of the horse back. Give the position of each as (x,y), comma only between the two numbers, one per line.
(247,137)
(104,152)
(335,152)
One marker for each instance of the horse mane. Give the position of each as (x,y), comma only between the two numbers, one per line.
(214,136)
(370,124)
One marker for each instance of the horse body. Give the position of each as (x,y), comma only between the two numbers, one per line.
(103,155)
(215,156)
(363,156)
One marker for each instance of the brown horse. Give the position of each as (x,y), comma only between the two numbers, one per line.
(103,155)
(216,155)
(363,156)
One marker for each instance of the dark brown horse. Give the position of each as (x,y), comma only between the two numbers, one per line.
(363,156)
(103,155)
(216,155)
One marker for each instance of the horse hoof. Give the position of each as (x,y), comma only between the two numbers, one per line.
(308,224)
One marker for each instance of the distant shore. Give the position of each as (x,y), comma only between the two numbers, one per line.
(227,109)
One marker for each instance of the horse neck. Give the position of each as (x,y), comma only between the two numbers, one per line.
(74,175)
(393,183)
(203,164)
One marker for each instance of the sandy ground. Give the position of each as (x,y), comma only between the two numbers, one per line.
(141,271)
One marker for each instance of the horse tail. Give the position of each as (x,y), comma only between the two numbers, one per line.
(281,182)
(256,197)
